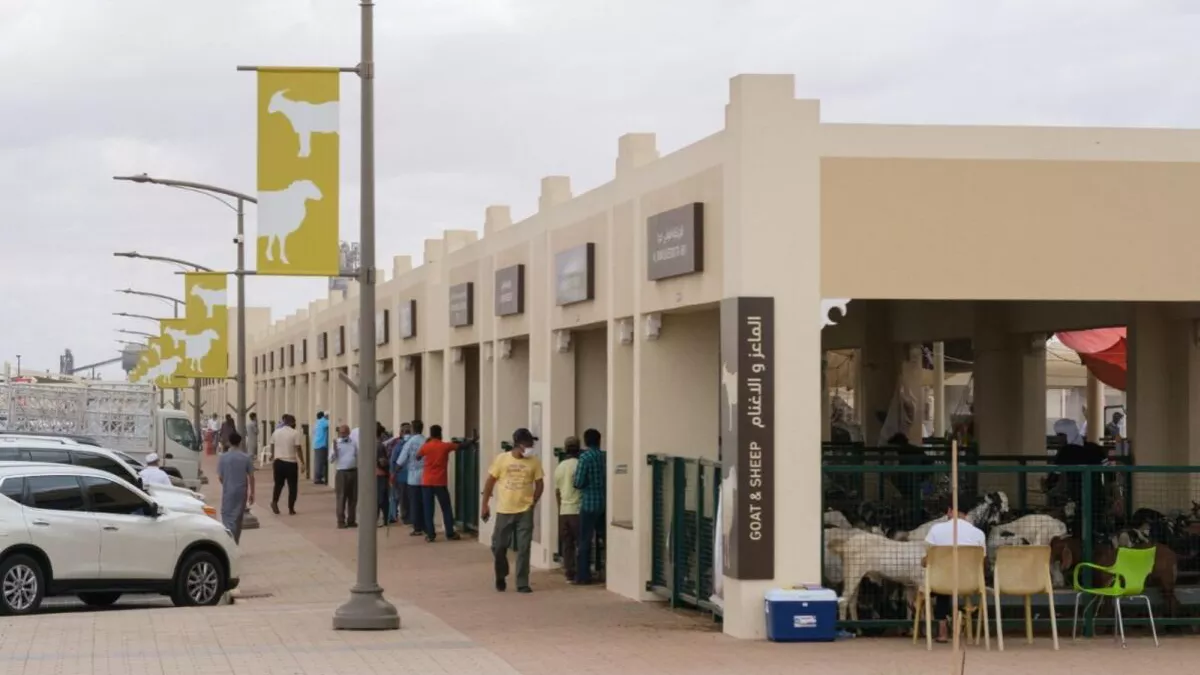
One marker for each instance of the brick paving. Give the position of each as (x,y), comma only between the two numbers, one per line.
(297,569)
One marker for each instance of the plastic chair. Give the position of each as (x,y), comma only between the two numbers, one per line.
(939,578)
(1023,571)
(1129,573)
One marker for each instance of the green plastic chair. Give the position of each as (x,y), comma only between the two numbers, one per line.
(1129,573)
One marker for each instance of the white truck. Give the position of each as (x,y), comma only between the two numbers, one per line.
(117,415)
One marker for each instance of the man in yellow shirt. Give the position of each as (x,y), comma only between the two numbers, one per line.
(569,498)
(520,480)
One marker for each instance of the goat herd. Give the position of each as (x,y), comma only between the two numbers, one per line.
(878,568)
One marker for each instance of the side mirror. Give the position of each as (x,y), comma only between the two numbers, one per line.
(156,510)
(169,456)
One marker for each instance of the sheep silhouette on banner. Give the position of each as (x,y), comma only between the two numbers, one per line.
(282,212)
(165,369)
(211,297)
(306,118)
(195,346)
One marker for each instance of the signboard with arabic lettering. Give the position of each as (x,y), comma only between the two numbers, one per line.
(675,242)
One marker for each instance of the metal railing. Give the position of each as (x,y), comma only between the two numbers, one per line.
(466,485)
(685,491)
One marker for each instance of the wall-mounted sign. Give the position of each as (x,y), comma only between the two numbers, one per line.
(291,355)
(353,331)
(323,346)
(675,242)
(339,341)
(408,319)
(381,326)
(256,365)
(510,290)
(462,304)
(304,350)
(574,274)
(748,437)
(272,360)
(281,361)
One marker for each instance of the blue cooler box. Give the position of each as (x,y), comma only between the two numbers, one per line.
(801,615)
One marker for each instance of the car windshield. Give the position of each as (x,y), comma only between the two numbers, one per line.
(180,431)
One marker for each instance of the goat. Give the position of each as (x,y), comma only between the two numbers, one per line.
(282,212)
(211,297)
(306,118)
(196,346)
(1036,530)
(989,511)
(1068,552)
(834,518)
(871,555)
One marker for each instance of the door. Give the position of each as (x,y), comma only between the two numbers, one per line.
(133,543)
(94,460)
(178,447)
(60,525)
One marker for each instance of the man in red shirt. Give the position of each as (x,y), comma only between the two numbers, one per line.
(436,454)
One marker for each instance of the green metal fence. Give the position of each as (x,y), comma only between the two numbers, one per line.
(684,498)
(1095,508)
(466,485)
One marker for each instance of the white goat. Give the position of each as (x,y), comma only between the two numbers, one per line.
(865,554)
(282,212)
(306,118)
(988,511)
(1032,530)
(211,297)
(834,518)
(197,346)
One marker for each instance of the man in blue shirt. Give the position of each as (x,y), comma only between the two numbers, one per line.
(398,498)
(345,453)
(590,479)
(411,467)
(321,450)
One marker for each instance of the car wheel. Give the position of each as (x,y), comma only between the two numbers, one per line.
(22,585)
(200,582)
(99,599)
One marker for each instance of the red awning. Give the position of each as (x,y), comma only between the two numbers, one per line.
(1102,350)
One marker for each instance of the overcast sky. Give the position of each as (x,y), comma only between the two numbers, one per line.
(476,101)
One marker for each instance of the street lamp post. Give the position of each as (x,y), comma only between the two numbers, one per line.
(241,200)
(176,303)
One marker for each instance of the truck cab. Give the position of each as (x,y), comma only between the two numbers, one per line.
(174,439)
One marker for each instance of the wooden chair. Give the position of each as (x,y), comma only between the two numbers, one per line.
(939,578)
(1023,571)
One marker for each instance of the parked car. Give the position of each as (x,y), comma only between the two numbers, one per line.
(172,471)
(21,448)
(73,530)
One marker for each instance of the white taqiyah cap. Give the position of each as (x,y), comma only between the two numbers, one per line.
(152,458)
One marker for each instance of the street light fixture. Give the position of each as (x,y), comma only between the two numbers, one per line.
(240,209)
(136,332)
(127,315)
(160,258)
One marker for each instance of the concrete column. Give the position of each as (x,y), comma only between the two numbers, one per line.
(913,389)
(880,370)
(826,424)
(1095,408)
(1010,387)
(406,388)
(351,400)
(939,389)
(772,175)
(558,419)
(455,400)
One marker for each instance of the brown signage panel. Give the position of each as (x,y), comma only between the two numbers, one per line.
(462,304)
(381,327)
(748,437)
(408,319)
(323,346)
(574,274)
(675,242)
(510,290)
(339,341)
(304,350)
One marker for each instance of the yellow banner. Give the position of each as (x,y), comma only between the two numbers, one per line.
(298,153)
(202,337)
(163,371)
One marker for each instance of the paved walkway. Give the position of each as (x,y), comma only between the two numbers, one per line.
(297,569)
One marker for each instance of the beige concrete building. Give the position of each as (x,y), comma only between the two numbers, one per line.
(680,308)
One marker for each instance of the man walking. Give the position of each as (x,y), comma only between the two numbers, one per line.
(412,468)
(321,449)
(251,446)
(235,472)
(568,497)
(590,478)
(520,481)
(345,456)
(436,454)
(287,462)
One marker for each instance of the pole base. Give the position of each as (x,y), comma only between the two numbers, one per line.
(366,610)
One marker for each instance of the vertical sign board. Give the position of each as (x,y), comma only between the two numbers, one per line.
(408,319)
(339,341)
(323,346)
(748,437)
(510,290)
(574,274)
(462,304)
(304,350)
(381,327)
(675,242)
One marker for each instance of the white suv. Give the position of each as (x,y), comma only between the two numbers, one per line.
(71,530)
(54,450)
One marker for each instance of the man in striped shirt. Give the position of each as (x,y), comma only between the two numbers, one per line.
(590,478)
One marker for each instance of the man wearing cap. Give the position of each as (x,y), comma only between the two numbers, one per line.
(152,475)
(520,480)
